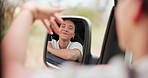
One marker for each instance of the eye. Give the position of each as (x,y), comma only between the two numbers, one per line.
(71,28)
(63,25)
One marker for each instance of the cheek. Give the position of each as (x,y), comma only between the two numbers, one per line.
(119,19)
(60,30)
(71,33)
(123,20)
(120,25)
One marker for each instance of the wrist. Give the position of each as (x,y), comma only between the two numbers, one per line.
(24,9)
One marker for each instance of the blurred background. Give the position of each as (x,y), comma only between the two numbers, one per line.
(97,11)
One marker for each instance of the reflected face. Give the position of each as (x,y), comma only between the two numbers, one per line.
(67,30)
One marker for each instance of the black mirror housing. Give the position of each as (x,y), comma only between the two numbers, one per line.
(83,36)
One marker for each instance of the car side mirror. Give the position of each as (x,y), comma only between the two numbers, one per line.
(82,36)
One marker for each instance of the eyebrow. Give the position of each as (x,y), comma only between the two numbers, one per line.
(71,25)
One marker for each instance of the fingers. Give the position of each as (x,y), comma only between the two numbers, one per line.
(58,19)
(47,12)
(47,27)
(54,25)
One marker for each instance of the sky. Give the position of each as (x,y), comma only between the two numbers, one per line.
(72,3)
(84,3)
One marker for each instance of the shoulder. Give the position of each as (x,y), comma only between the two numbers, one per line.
(76,43)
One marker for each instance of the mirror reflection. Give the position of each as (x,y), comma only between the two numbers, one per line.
(68,45)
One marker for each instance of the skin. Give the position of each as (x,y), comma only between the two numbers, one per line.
(15,41)
(132,28)
(66,32)
(132,32)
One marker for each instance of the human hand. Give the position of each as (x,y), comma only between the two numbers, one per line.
(44,11)
(49,47)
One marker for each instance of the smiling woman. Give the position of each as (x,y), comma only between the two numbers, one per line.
(72,44)
(64,48)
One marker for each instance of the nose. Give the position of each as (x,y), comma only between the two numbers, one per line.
(65,29)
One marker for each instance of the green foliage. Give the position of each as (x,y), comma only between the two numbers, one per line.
(81,11)
(1,20)
(6,16)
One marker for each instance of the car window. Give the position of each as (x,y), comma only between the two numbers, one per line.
(99,26)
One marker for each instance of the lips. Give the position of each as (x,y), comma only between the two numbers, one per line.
(64,33)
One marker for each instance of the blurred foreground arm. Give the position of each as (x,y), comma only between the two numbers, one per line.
(15,41)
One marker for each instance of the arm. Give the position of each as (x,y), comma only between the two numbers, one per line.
(15,41)
(67,54)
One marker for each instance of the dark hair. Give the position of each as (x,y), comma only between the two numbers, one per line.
(1,19)
(145,6)
(79,31)
(1,29)
(75,26)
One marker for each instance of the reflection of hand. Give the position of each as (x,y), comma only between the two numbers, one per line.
(49,47)
(42,11)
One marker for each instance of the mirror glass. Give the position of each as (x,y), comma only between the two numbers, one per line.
(70,44)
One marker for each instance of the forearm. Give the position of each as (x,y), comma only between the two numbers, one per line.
(67,54)
(15,41)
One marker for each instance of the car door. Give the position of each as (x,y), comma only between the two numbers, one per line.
(110,47)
